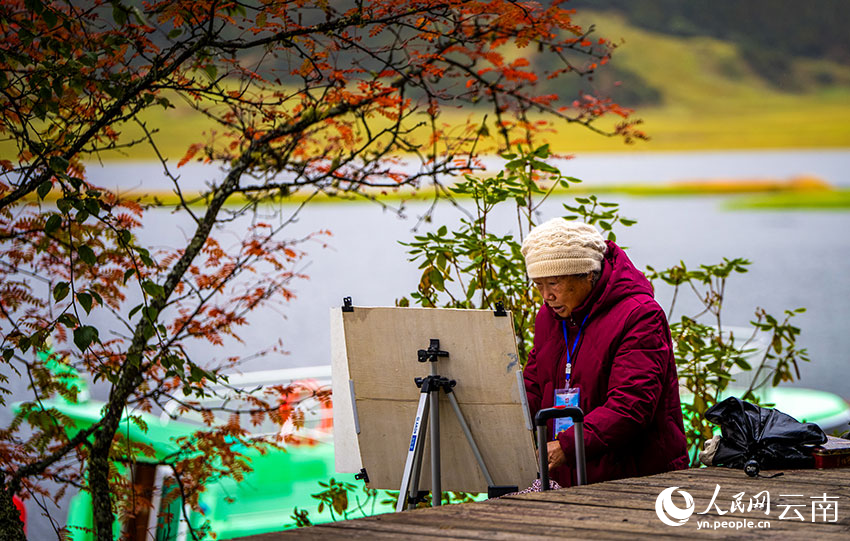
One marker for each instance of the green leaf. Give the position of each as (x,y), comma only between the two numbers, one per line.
(68,320)
(34,6)
(138,15)
(152,289)
(60,291)
(93,206)
(52,224)
(96,296)
(25,36)
(542,151)
(86,254)
(545,167)
(119,14)
(437,279)
(84,336)
(147,331)
(134,310)
(127,274)
(77,184)
(145,256)
(50,18)
(85,300)
(44,189)
(58,164)
(8,353)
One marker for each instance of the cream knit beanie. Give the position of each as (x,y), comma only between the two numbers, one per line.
(560,247)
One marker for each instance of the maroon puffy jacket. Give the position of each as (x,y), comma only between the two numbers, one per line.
(624,366)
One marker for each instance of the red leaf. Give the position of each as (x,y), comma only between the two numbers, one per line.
(190,153)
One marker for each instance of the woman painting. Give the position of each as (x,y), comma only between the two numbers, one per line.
(601,341)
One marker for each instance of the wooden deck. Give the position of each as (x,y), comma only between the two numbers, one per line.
(626,509)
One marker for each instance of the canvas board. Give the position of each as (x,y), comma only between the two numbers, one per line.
(376,349)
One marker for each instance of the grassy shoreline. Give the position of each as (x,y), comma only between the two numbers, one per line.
(800,193)
(775,123)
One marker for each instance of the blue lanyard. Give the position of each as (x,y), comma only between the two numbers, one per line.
(567,344)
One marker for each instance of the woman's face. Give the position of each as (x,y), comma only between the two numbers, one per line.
(564,294)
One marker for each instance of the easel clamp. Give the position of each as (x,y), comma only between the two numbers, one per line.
(435,383)
(433,352)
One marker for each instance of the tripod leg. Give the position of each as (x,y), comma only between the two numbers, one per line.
(436,485)
(417,460)
(469,438)
(410,477)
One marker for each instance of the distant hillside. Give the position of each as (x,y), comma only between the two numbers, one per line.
(698,91)
(652,67)
(793,46)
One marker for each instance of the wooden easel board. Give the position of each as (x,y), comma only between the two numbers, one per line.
(376,348)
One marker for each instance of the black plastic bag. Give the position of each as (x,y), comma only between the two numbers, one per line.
(761,438)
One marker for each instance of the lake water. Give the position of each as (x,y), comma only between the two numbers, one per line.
(594,168)
(800,259)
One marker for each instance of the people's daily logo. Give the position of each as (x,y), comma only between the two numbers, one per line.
(669,513)
(721,514)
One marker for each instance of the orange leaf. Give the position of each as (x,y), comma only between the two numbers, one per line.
(190,153)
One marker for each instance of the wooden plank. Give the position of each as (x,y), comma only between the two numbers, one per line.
(554,521)
(643,520)
(616,510)
(646,501)
(600,516)
(710,476)
(460,528)
(808,475)
(464,521)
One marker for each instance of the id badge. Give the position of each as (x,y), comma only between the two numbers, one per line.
(565,397)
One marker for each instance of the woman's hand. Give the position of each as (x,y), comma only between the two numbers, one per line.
(556,455)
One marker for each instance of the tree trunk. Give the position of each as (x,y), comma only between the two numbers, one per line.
(98,475)
(131,375)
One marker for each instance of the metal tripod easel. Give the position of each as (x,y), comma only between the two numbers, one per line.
(429,406)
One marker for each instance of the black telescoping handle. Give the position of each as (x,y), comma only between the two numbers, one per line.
(540,420)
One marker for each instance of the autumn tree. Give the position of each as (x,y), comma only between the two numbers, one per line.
(308,98)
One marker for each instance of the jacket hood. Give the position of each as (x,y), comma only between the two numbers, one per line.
(619,279)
